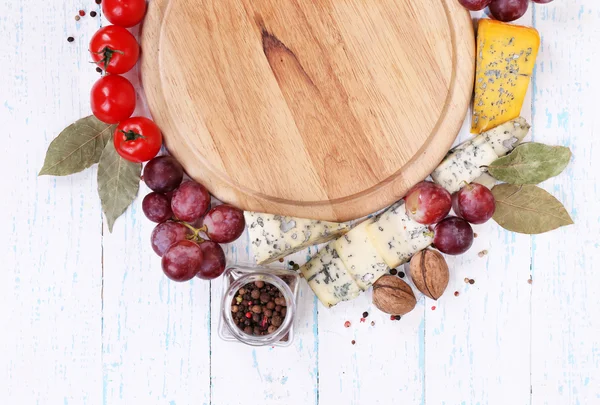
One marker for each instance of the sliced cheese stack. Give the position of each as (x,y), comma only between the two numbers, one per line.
(397,237)
(468,161)
(328,277)
(274,236)
(506,56)
(360,256)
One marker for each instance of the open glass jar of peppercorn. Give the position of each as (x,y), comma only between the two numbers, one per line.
(259,306)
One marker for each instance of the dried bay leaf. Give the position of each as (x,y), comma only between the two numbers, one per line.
(528,209)
(118,183)
(531,163)
(77,147)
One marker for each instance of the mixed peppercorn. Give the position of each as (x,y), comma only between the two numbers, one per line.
(259,308)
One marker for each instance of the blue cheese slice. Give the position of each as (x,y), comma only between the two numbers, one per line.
(504,138)
(397,237)
(464,164)
(360,257)
(275,236)
(328,277)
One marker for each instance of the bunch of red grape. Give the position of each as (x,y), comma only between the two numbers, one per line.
(502,10)
(183,212)
(429,204)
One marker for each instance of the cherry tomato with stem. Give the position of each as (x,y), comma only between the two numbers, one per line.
(137,139)
(112,99)
(125,13)
(114,49)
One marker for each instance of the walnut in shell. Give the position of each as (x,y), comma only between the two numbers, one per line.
(429,272)
(393,296)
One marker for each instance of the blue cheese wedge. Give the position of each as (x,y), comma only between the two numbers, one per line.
(464,164)
(504,138)
(275,236)
(397,237)
(328,277)
(360,257)
(469,160)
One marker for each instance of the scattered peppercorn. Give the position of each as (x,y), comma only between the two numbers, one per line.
(482,253)
(471,281)
(466,279)
(362,320)
(99,70)
(456,293)
(81,13)
(354,342)
(365,314)
(281,260)
(401,274)
(77,17)
(347,324)
(372,323)
(475,235)
(393,272)
(397,317)
(70,39)
(98,1)
(392,317)
(93,14)
(433,308)
(530,281)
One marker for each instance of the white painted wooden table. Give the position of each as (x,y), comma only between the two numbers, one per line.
(87,317)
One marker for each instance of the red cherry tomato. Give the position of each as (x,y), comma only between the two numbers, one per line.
(137,139)
(112,99)
(114,49)
(125,13)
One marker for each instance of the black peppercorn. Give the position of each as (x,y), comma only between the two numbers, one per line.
(93,14)
(397,317)
(393,272)
(70,39)
(365,314)
(401,274)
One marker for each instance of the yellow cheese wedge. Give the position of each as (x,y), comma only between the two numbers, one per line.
(505,59)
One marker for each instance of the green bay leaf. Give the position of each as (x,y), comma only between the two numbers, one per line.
(118,183)
(528,209)
(77,147)
(531,163)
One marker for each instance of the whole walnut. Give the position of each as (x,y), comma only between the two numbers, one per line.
(429,272)
(393,296)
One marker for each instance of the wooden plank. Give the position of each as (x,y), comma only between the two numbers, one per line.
(156,332)
(265,375)
(50,242)
(566,349)
(477,343)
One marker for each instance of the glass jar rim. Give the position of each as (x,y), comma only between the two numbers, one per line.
(264,340)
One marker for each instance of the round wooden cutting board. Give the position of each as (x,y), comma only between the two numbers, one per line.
(325,109)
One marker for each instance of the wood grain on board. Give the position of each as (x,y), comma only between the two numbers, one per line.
(327,110)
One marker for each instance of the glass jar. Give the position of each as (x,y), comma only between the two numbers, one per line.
(235,278)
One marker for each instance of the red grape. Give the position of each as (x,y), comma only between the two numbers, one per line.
(190,201)
(182,260)
(474,5)
(163,174)
(474,203)
(428,203)
(224,223)
(167,233)
(214,261)
(157,207)
(453,236)
(508,10)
